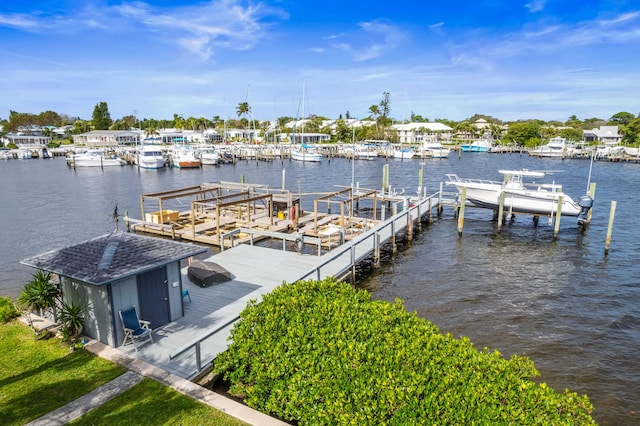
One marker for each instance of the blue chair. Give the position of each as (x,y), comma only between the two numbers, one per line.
(185,293)
(134,328)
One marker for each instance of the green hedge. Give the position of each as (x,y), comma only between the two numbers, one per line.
(320,352)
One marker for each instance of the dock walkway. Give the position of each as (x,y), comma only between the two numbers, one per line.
(255,271)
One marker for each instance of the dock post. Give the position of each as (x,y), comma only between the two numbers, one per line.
(376,250)
(463,200)
(440,201)
(419,217)
(501,210)
(385,177)
(283,175)
(394,249)
(556,227)
(409,226)
(612,213)
(592,194)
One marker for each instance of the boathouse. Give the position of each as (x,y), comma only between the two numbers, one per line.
(113,272)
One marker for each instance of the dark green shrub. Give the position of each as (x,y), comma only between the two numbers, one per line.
(40,294)
(323,353)
(8,310)
(71,320)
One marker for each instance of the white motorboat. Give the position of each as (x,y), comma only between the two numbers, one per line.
(556,147)
(520,197)
(479,145)
(433,150)
(149,157)
(403,153)
(183,157)
(306,153)
(208,155)
(94,158)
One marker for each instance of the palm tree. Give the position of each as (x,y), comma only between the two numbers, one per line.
(375,113)
(178,121)
(242,110)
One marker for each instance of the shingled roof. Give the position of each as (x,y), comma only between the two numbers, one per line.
(112,257)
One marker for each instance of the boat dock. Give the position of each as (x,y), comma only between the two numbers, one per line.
(218,210)
(187,346)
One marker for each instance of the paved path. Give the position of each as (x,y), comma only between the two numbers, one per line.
(93,399)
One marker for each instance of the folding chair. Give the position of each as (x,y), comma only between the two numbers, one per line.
(134,328)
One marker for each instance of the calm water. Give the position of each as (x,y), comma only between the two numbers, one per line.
(572,310)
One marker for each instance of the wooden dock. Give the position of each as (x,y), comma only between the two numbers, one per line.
(186,346)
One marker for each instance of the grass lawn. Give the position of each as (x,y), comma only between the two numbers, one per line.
(155,404)
(38,376)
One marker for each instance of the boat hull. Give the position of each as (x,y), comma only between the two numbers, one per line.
(537,202)
(302,155)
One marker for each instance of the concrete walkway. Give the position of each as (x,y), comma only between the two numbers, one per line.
(93,399)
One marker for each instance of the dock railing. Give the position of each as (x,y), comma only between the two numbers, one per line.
(286,238)
(339,260)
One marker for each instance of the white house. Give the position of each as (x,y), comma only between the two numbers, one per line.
(107,138)
(416,133)
(604,135)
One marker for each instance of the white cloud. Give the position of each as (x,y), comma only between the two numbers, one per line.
(536,5)
(200,29)
(388,38)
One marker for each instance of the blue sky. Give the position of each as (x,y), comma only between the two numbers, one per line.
(545,59)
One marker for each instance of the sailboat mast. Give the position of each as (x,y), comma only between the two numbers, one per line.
(302,126)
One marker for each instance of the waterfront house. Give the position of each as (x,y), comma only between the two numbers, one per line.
(106,138)
(417,133)
(113,272)
(604,135)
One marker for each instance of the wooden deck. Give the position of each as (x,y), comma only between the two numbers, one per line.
(255,271)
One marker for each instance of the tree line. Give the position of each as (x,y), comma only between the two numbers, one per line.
(527,133)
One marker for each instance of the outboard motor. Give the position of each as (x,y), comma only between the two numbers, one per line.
(585,202)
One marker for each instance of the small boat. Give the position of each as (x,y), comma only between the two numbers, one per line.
(403,153)
(183,157)
(94,158)
(209,156)
(149,157)
(24,154)
(6,154)
(556,147)
(520,197)
(479,145)
(306,153)
(433,150)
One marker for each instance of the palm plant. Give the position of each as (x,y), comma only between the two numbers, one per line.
(72,320)
(41,294)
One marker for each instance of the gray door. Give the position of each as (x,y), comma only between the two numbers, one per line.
(153,295)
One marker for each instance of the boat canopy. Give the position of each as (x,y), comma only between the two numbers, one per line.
(523,173)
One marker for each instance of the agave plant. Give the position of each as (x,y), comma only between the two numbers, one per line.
(41,294)
(71,319)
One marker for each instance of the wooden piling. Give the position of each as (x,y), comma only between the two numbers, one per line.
(463,200)
(501,210)
(592,194)
(556,227)
(612,213)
